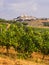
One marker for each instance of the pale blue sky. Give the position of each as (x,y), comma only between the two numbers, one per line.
(10,9)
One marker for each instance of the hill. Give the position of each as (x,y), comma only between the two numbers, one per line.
(33,21)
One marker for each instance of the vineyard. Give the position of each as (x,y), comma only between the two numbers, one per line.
(23,38)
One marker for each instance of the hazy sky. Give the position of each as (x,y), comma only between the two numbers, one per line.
(12,8)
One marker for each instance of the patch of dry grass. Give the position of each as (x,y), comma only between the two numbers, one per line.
(11,59)
(8,61)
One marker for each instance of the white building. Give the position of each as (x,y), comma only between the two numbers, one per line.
(25,18)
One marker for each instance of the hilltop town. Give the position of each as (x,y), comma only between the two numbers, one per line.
(33,21)
(29,20)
